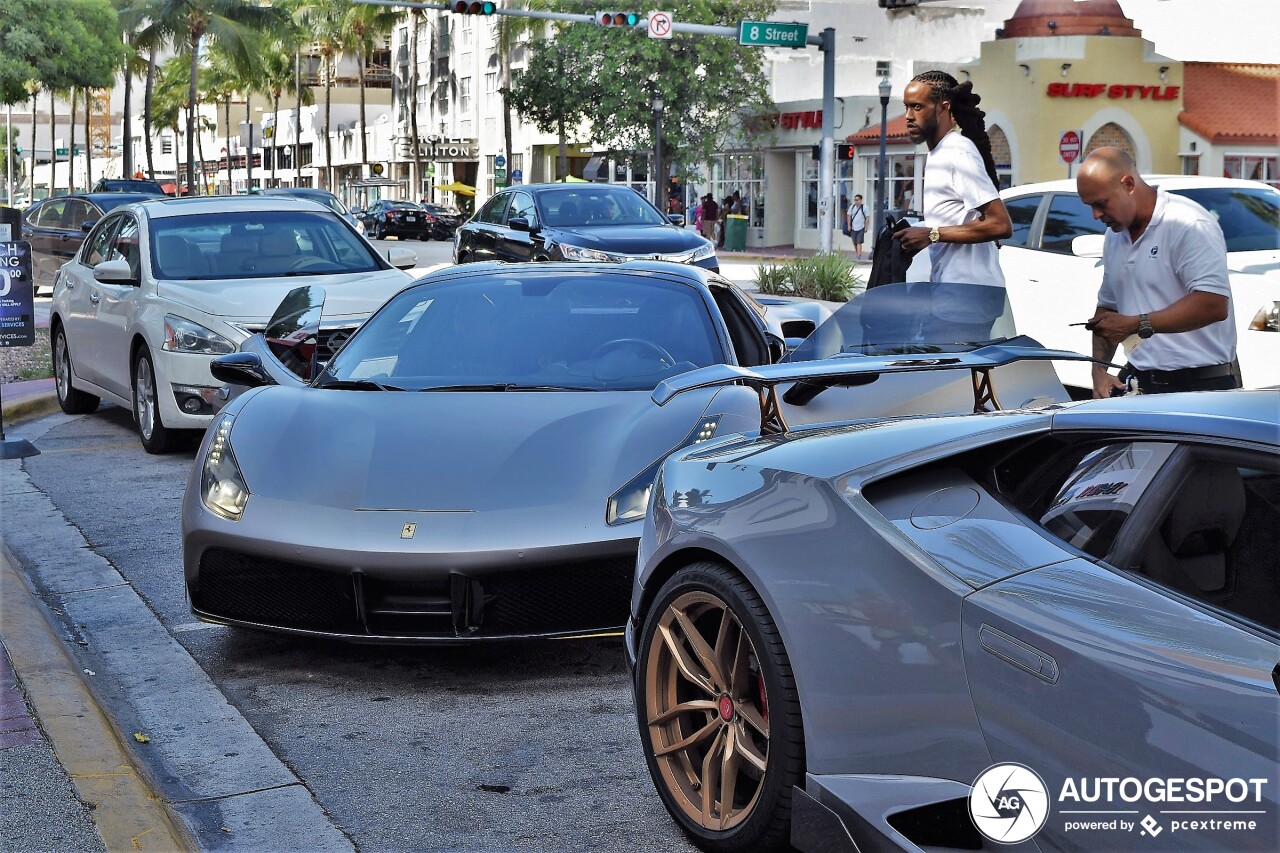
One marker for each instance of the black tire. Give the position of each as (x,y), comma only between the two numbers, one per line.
(759,688)
(376,232)
(156,437)
(72,401)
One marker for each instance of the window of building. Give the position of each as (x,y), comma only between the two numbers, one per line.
(1190,164)
(464,94)
(1253,167)
(740,176)
(467,128)
(882,68)
(166,145)
(1003,156)
(899,185)
(1113,135)
(305,155)
(490,85)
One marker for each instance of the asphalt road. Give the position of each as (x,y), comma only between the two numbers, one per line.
(513,747)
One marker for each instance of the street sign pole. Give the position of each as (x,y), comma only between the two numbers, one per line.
(827,166)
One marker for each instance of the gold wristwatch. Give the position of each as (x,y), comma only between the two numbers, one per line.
(934,235)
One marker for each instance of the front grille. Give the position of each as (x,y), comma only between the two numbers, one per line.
(330,340)
(559,598)
(274,592)
(579,597)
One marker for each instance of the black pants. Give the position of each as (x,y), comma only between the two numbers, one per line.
(1217,377)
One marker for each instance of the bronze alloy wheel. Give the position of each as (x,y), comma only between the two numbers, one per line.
(718,711)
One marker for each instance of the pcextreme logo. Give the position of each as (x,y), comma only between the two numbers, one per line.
(1010,803)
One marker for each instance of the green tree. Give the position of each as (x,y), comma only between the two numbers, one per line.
(708,83)
(366,27)
(235,25)
(75,46)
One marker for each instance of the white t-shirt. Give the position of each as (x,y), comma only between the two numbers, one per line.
(956,184)
(857,217)
(1181,250)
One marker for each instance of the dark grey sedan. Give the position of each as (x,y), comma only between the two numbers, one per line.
(1036,630)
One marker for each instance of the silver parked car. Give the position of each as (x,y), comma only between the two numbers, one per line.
(1058,627)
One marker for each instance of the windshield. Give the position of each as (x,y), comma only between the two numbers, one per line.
(596,206)
(257,244)
(532,330)
(1250,218)
(912,317)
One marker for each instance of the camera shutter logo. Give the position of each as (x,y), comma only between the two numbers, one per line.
(1009,803)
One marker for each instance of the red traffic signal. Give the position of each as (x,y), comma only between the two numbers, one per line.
(618,19)
(473,7)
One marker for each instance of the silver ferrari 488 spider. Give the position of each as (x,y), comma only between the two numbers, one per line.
(476,461)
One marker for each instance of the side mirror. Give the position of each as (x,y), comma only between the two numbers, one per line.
(293,332)
(777,348)
(240,368)
(676,218)
(1088,245)
(114,272)
(87,225)
(522,223)
(402,259)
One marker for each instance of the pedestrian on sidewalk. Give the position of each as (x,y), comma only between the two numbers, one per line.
(710,213)
(856,224)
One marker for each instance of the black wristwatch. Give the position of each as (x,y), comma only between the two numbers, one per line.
(1145,329)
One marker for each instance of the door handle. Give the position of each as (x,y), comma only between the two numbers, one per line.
(95,298)
(1018,653)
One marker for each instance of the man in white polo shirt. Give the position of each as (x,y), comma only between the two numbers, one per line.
(1164,281)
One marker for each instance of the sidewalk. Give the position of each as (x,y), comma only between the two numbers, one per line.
(66,783)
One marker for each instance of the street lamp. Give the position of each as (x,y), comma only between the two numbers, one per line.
(884,166)
(658,178)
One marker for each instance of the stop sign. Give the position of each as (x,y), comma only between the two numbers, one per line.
(1069,146)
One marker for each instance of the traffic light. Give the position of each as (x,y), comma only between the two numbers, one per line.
(617,19)
(843,151)
(473,7)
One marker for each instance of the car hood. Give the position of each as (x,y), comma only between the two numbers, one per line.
(254,300)
(454,451)
(1262,262)
(630,239)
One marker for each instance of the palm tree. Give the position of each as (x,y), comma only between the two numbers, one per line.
(233,24)
(368,26)
(323,21)
(280,72)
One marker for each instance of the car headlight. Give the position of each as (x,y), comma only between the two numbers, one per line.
(579,253)
(185,336)
(631,502)
(222,487)
(1267,319)
(707,251)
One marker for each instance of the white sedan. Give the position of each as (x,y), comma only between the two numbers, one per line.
(1053,278)
(161,287)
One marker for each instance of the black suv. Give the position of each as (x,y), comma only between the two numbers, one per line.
(578,222)
(127,185)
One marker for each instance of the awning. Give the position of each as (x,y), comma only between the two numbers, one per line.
(457,187)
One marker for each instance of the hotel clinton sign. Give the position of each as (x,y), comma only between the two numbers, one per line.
(439,148)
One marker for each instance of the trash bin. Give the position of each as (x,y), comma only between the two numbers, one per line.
(735,233)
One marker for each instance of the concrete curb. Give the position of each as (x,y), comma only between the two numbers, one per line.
(29,408)
(126,813)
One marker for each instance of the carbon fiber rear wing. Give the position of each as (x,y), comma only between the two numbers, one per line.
(847,369)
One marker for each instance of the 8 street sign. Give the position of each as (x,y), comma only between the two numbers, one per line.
(772,34)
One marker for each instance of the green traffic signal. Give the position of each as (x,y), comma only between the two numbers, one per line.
(464,7)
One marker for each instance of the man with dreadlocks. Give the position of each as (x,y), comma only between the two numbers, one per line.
(963,213)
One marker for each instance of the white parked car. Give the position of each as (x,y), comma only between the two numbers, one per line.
(1053,278)
(161,287)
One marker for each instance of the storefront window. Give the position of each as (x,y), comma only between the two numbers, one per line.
(1253,167)
(740,176)
(900,182)
(1002,155)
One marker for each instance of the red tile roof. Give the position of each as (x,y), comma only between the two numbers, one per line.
(1232,103)
(895,132)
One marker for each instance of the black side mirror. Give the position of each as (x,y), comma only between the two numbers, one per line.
(87,225)
(240,368)
(522,223)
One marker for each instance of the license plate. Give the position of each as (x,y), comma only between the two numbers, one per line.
(411,219)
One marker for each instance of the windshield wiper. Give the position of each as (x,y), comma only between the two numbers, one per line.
(357,385)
